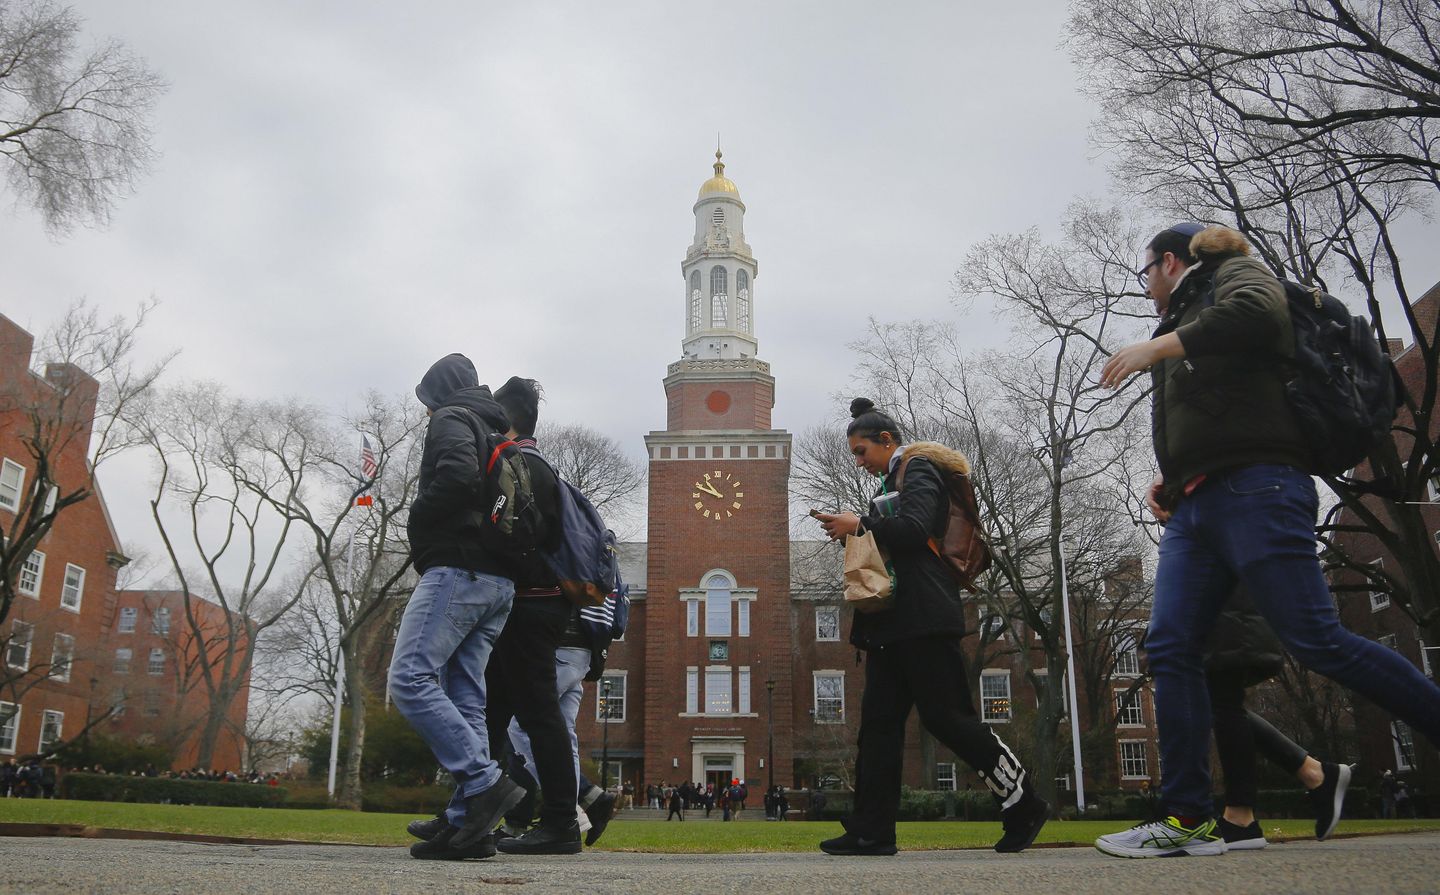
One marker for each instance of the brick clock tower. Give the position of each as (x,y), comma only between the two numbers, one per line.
(717,613)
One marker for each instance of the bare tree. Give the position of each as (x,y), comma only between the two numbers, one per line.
(1311,126)
(74,125)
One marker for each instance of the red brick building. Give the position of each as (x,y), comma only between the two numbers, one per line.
(73,645)
(1386,743)
(736,662)
(55,659)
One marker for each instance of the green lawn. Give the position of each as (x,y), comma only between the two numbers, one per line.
(644,836)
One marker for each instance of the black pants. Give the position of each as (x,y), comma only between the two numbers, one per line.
(520,684)
(929,675)
(1239,734)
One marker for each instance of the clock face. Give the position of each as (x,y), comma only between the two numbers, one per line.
(717,495)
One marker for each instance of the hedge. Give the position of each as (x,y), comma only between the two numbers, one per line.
(118,788)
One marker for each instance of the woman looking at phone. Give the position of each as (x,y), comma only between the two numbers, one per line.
(912,649)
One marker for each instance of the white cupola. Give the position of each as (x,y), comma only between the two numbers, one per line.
(719,275)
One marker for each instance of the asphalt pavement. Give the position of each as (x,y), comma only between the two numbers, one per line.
(1372,864)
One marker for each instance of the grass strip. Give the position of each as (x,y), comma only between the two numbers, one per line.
(356,828)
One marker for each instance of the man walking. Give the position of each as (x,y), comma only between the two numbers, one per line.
(455,615)
(1239,507)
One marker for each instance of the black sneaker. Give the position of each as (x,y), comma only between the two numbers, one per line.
(599,813)
(1022,822)
(544,840)
(850,844)
(428,829)
(1329,798)
(483,811)
(1238,838)
(442,847)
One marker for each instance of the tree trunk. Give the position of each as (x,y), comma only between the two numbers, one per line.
(215,717)
(349,794)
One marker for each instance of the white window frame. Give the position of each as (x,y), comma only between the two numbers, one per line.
(78,588)
(945,779)
(832,709)
(128,657)
(692,618)
(715,675)
(9,727)
(1126,652)
(718,624)
(623,695)
(742,617)
(692,690)
(1402,739)
(1129,713)
(159,614)
(832,614)
(47,717)
(10,491)
(62,656)
(1127,761)
(993,622)
(1379,599)
(996,674)
(150,703)
(129,617)
(1388,641)
(36,574)
(15,638)
(151,665)
(744,688)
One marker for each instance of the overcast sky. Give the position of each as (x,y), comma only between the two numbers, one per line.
(347,192)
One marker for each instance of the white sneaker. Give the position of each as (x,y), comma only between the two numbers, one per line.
(1167,838)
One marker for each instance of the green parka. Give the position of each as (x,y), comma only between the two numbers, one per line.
(1223,404)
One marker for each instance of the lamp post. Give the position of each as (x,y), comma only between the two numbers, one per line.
(605,734)
(770,723)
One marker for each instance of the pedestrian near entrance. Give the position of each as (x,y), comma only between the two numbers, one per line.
(676,804)
(1239,507)
(456,613)
(913,657)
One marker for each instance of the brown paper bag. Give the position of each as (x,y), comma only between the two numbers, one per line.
(867,581)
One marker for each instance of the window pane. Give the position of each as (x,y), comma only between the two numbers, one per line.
(9,726)
(74,587)
(717,611)
(157,661)
(610,701)
(692,690)
(827,623)
(995,696)
(829,698)
(122,661)
(12,478)
(692,618)
(717,692)
(160,621)
(60,657)
(128,615)
(18,653)
(52,725)
(30,574)
(744,691)
(742,611)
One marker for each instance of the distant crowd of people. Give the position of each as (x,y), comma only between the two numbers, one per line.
(31,779)
(728,799)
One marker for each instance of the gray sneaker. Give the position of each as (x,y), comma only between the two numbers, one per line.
(1166,838)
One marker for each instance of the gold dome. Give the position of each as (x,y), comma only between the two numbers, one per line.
(719,183)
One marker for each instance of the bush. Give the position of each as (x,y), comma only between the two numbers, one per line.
(406,799)
(113,754)
(116,788)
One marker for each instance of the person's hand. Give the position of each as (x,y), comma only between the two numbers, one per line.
(1152,500)
(1127,361)
(839,525)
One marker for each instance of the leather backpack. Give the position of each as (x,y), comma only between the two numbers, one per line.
(962,547)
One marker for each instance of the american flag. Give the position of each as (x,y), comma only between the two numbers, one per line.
(368,466)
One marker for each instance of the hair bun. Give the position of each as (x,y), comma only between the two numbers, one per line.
(860,406)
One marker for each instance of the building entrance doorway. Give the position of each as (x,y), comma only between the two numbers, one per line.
(719,771)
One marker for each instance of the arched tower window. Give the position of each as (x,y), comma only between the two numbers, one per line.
(717,606)
(742,300)
(719,297)
(697,302)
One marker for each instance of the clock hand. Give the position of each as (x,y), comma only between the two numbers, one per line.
(709,489)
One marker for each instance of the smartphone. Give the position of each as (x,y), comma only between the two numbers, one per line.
(817,514)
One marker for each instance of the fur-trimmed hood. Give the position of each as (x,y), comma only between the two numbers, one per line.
(1218,242)
(943,457)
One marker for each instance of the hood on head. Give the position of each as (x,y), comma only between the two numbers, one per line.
(478,401)
(445,377)
(1217,241)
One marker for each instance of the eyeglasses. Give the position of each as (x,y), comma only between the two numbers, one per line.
(1143,274)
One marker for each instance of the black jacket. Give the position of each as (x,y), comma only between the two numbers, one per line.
(531,572)
(927,599)
(444,524)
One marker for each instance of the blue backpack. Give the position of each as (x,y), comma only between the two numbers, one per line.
(584,558)
(603,624)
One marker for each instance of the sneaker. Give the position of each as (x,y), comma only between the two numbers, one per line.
(849,844)
(428,829)
(1022,822)
(582,819)
(483,811)
(443,848)
(1238,838)
(544,840)
(1329,798)
(1166,838)
(599,812)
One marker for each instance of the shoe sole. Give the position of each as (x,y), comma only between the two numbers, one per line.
(867,853)
(1247,844)
(1343,773)
(567,848)
(1199,850)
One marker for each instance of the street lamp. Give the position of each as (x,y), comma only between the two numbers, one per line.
(770,722)
(605,734)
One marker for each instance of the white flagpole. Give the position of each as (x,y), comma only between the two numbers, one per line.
(340,669)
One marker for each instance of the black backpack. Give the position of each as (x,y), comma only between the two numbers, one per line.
(1344,389)
(511,521)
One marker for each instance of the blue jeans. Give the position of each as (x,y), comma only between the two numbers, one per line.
(571,665)
(1256,525)
(437,673)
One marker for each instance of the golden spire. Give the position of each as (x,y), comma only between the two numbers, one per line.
(719,183)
